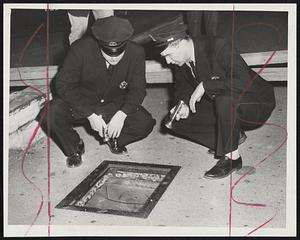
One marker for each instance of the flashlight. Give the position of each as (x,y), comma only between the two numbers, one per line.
(170,117)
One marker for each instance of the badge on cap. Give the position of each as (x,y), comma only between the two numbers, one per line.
(123,85)
(112,44)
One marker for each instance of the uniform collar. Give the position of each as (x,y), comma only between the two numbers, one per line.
(192,54)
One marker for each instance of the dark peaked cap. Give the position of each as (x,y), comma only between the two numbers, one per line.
(112,29)
(112,34)
(168,34)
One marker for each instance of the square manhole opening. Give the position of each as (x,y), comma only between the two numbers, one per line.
(121,188)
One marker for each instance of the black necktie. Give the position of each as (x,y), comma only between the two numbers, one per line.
(110,69)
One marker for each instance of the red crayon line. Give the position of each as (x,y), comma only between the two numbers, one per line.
(250,81)
(231,118)
(46,111)
(48,122)
(260,226)
(257,164)
(29,42)
(269,155)
(267,61)
(240,96)
(23,172)
(22,55)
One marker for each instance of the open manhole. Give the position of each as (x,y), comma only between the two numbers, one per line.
(121,188)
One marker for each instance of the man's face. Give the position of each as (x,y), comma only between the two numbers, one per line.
(174,54)
(112,60)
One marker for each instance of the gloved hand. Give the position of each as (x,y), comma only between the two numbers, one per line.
(116,124)
(97,123)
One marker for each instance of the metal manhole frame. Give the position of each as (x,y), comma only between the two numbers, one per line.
(82,188)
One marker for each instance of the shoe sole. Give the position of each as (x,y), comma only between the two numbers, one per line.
(118,153)
(74,166)
(232,171)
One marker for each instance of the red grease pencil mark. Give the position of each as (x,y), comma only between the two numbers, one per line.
(22,55)
(236,105)
(31,140)
(23,172)
(48,122)
(46,111)
(231,118)
(255,166)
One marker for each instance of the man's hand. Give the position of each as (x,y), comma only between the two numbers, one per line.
(196,96)
(97,123)
(116,124)
(183,112)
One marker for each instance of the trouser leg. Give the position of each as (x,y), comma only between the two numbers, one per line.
(217,124)
(62,132)
(78,26)
(212,126)
(103,13)
(232,116)
(228,125)
(136,126)
(254,114)
(199,127)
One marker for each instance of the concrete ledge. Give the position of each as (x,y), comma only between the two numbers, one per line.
(20,138)
(24,107)
(155,72)
(276,74)
(254,59)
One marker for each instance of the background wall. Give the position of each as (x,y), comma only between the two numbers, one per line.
(257,37)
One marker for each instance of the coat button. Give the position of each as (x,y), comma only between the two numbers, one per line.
(102,100)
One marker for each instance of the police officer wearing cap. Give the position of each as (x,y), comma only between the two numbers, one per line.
(103,80)
(222,96)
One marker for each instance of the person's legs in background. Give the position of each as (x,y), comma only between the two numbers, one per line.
(79,20)
(79,23)
(103,13)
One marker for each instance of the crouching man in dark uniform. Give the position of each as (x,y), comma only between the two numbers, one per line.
(222,96)
(102,80)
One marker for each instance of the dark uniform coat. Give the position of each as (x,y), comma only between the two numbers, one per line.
(85,84)
(235,96)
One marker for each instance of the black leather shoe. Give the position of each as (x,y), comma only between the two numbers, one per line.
(242,139)
(115,148)
(75,159)
(223,168)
